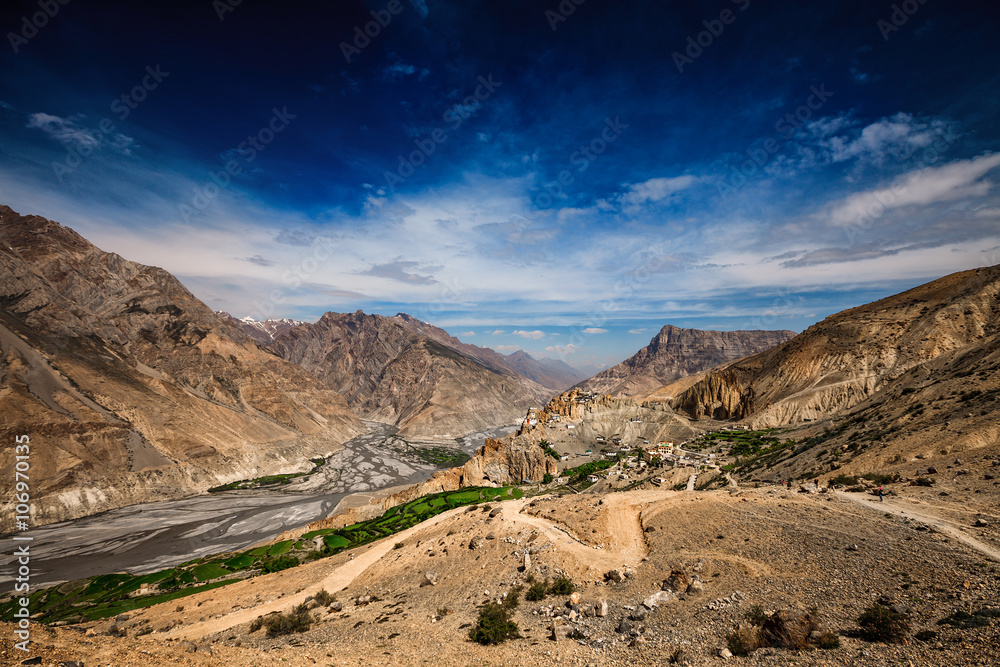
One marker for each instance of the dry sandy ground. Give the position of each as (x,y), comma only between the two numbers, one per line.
(778,550)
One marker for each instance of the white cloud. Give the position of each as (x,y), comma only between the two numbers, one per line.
(467,334)
(901,132)
(637,331)
(69,133)
(655,189)
(957,180)
(497,332)
(594,330)
(507,349)
(562,350)
(530,335)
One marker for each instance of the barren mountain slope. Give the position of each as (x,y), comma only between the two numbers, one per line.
(131,389)
(674,353)
(404,372)
(262,331)
(550,373)
(848,357)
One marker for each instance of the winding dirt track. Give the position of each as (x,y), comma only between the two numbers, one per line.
(946,527)
(623,515)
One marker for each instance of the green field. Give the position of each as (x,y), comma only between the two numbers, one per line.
(111,594)
(269,480)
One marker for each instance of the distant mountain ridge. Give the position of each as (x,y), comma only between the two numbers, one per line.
(551,373)
(674,353)
(262,331)
(412,374)
(131,389)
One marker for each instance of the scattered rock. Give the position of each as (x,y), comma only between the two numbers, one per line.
(574,598)
(476,543)
(430,579)
(853,547)
(624,626)
(981,523)
(677,581)
(601,609)
(188,646)
(658,598)
(614,577)
(725,653)
(696,587)
(496,512)
(32,661)
(650,529)
(336,606)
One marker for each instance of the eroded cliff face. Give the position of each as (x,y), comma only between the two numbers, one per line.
(404,372)
(675,353)
(497,463)
(132,390)
(848,357)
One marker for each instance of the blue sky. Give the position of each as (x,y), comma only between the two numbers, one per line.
(526,177)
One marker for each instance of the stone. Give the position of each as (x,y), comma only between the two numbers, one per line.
(677,581)
(853,547)
(70,663)
(188,646)
(430,579)
(658,598)
(725,654)
(624,626)
(789,627)
(312,604)
(527,561)
(476,543)
(639,614)
(932,470)
(205,649)
(496,512)
(650,529)
(696,587)
(37,660)
(336,606)
(601,609)
(614,577)
(574,598)
(981,523)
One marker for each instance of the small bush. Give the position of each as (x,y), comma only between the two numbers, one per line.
(828,640)
(398,545)
(547,478)
(879,478)
(297,620)
(562,586)
(756,615)
(323,599)
(881,624)
(513,598)
(844,480)
(494,625)
(537,591)
(744,640)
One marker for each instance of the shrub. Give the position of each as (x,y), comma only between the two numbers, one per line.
(537,591)
(398,545)
(828,640)
(513,598)
(879,478)
(562,586)
(756,615)
(323,599)
(278,564)
(844,480)
(297,620)
(547,478)
(744,640)
(880,623)
(494,625)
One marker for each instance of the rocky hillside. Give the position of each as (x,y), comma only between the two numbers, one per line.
(675,353)
(550,373)
(131,389)
(941,331)
(408,373)
(262,331)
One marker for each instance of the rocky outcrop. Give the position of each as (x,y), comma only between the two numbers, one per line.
(408,373)
(131,389)
(851,356)
(675,353)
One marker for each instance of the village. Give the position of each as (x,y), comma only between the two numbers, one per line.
(621,443)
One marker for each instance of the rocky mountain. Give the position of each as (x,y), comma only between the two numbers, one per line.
(550,373)
(943,333)
(409,373)
(675,353)
(262,331)
(131,389)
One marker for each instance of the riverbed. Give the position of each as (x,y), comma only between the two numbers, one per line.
(154,536)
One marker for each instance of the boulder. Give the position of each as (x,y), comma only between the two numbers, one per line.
(614,576)
(430,579)
(601,608)
(476,543)
(981,523)
(574,598)
(527,561)
(696,587)
(677,581)
(658,598)
(336,606)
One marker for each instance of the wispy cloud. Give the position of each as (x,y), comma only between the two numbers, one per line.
(71,134)
(595,330)
(402,271)
(530,335)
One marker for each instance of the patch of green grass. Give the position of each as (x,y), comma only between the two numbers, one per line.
(280,548)
(240,562)
(207,571)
